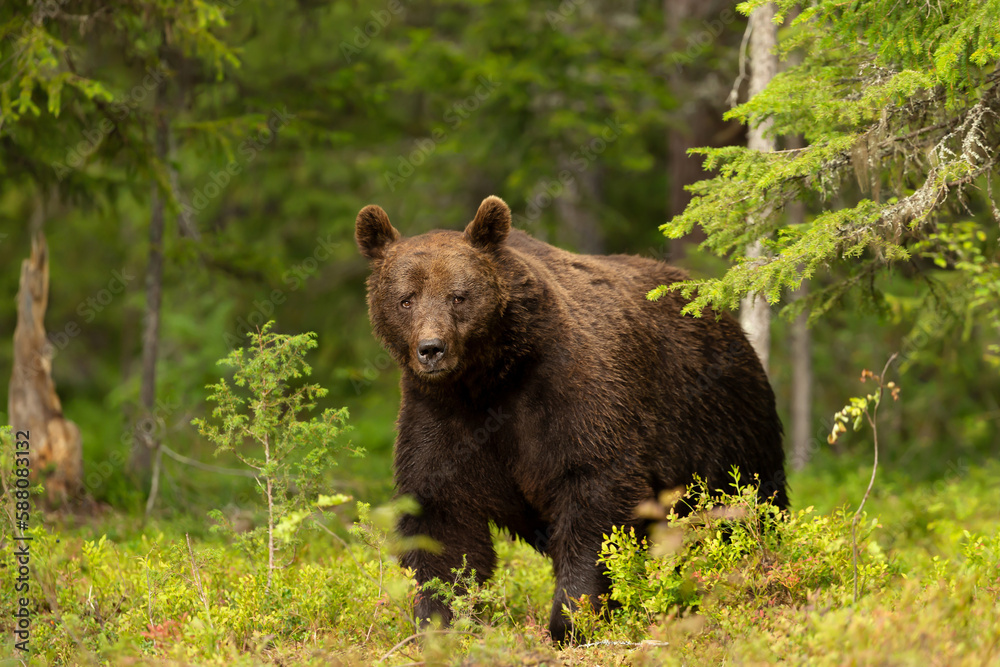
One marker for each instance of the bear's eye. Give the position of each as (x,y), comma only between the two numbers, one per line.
(405,303)
(457,299)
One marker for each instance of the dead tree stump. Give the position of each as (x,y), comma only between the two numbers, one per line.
(56,454)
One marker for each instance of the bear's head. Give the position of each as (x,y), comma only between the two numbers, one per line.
(435,300)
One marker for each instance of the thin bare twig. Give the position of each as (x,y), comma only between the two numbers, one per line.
(149,591)
(194,463)
(381,576)
(734,94)
(197,581)
(409,639)
(347,548)
(85,652)
(154,488)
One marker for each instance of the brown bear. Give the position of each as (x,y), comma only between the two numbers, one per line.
(542,392)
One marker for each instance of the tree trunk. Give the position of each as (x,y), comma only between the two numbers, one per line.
(56,448)
(801,338)
(755,314)
(802,375)
(145,443)
(801,344)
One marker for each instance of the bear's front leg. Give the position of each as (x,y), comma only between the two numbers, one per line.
(574,546)
(458,533)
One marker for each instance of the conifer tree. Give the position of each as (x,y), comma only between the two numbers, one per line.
(82,114)
(899,106)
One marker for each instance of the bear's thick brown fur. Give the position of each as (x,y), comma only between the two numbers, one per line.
(542,392)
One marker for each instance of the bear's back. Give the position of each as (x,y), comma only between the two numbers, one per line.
(699,375)
(597,288)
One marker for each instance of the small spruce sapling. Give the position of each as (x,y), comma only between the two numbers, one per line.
(265,426)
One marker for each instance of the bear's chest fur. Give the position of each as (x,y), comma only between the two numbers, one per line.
(522,443)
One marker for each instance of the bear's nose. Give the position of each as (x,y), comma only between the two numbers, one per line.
(430,350)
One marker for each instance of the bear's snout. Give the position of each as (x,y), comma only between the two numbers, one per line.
(430,351)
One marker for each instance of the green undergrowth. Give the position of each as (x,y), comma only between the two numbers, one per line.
(731,582)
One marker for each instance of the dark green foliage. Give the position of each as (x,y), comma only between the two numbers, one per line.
(898,103)
(275,239)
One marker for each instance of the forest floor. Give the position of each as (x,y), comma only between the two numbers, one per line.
(112,589)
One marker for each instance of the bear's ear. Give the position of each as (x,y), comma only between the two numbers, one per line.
(491,225)
(374,232)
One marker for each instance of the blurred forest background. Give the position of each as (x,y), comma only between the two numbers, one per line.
(252,132)
(196,168)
